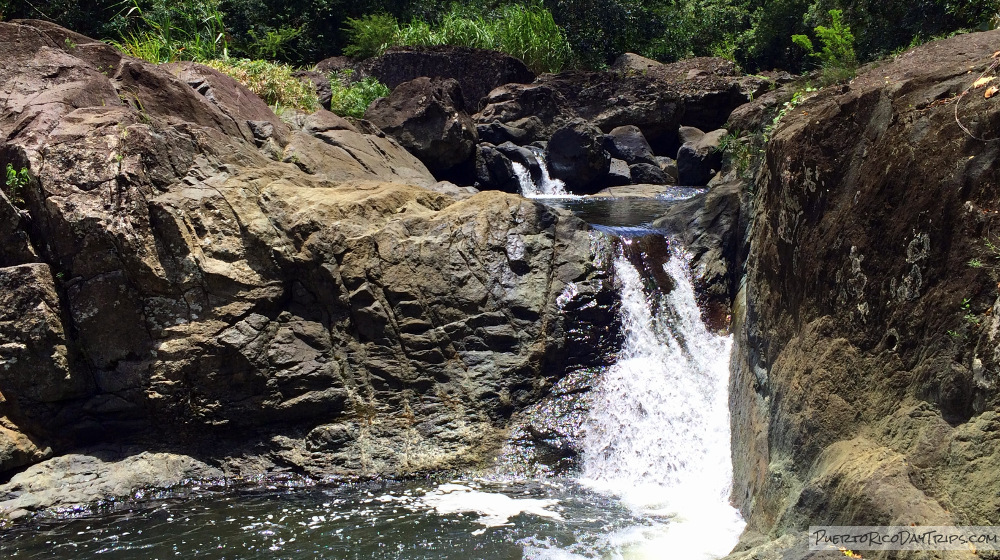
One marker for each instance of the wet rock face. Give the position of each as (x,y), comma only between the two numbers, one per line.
(576,155)
(866,370)
(699,157)
(186,268)
(427,117)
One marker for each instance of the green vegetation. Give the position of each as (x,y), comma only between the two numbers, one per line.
(16,182)
(526,32)
(755,33)
(175,30)
(837,58)
(273,82)
(352,100)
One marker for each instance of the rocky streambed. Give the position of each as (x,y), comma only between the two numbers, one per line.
(195,289)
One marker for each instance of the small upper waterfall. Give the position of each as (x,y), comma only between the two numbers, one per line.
(545,186)
(657,433)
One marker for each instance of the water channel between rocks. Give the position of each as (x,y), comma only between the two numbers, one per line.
(649,439)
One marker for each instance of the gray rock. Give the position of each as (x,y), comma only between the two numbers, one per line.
(647,173)
(78,481)
(698,158)
(524,156)
(669,167)
(575,155)
(627,143)
(494,171)
(619,173)
(426,116)
(497,133)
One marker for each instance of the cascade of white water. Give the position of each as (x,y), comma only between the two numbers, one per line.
(658,431)
(547,186)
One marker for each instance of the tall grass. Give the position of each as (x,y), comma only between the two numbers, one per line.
(271,81)
(525,32)
(175,30)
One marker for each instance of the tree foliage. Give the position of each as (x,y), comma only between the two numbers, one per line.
(755,33)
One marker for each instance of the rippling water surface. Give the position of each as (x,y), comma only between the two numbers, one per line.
(412,520)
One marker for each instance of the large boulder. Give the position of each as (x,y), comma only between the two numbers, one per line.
(627,143)
(865,375)
(477,71)
(427,117)
(576,155)
(699,157)
(188,271)
(494,170)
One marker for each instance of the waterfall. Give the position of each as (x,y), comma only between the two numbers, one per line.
(658,433)
(546,186)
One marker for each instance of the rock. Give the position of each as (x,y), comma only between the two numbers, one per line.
(648,173)
(75,482)
(699,157)
(477,71)
(320,81)
(497,133)
(17,450)
(618,173)
(669,168)
(658,102)
(451,189)
(631,63)
(627,143)
(494,171)
(854,391)
(523,156)
(203,277)
(575,155)
(15,243)
(229,97)
(758,114)
(334,64)
(426,117)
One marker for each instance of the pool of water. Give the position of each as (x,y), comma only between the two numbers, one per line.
(623,212)
(463,519)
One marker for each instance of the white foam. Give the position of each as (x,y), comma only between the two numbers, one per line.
(547,187)
(494,509)
(657,434)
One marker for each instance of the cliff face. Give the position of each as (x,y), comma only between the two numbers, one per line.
(864,389)
(186,270)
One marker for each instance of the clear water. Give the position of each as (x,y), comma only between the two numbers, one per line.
(654,478)
(413,520)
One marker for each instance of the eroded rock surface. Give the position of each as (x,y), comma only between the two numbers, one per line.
(186,268)
(864,387)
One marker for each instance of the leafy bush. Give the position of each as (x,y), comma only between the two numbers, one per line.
(837,57)
(16,182)
(272,81)
(353,100)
